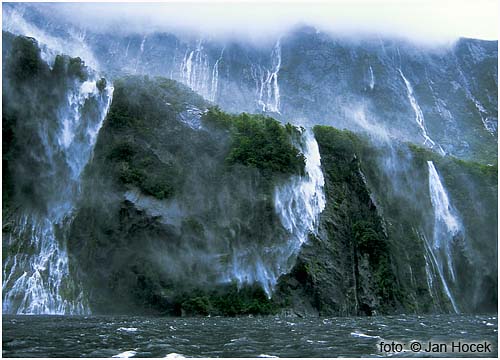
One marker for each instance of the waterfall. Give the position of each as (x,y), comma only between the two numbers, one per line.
(267,88)
(419,116)
(141,52)
(70,41)
(36,276)
(489,123)
(372,79)
(195,71)
(298,203)
(446,227)
(215,78)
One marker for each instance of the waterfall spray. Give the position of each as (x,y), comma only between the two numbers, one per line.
(195,72)
(372,79)
(37,280)
(419,116)
(298,203)
(268,91)
(446,227)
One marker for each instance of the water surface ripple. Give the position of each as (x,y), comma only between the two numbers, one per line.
(134,336)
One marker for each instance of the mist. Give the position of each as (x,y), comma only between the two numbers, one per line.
(421,21)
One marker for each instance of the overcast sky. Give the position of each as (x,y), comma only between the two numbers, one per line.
(426,20)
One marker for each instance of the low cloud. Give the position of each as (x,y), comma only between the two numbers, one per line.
(423,20)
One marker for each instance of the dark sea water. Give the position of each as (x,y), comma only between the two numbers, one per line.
(107,336)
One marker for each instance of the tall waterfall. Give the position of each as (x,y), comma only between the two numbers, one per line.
(36,276)
(215,78)
(372,78)
(490,123)
(266,80)
(195,71)
(298,203)
(419,116)
(446,227)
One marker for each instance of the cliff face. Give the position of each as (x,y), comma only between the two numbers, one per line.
(379,248)
(444,97)
(160,202)
(178,201)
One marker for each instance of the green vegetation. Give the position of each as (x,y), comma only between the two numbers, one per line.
(32,96)
(101,84)
(228,301)
(259,141)
(352,220)
(135,166)
(24,62)
(134,118)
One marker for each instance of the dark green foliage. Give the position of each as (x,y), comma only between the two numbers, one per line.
(151,262)
(32,96)
(354,230)
(24,62)
(397,175)
(101,84)
(374,244)
(133,165)
(76,68)
(229,301)
(259,141)
(134,118)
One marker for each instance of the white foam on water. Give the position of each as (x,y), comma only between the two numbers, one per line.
(361,335)
(174,356)
(131,329)
(125,354)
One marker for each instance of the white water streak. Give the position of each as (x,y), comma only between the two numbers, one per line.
(268,91)
(300,201)
(439,267)
(38,275)
(298,204)
(13,21)
(215,78)
(372,79)
(446,227)
(489,125)
(195,72)
(419,116)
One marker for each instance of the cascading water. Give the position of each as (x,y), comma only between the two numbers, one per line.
(266,80)
(36,277)
(298,203)
(490,123)
(141,52)
(75,44)
(215,78)
(446,227)
(419,116)
(195,72)
(372,79)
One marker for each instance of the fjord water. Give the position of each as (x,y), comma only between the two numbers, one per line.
(128,336)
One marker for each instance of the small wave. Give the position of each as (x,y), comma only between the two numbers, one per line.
(361,335)
(266,356)
(127,329)
(125,354)
(174,356)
